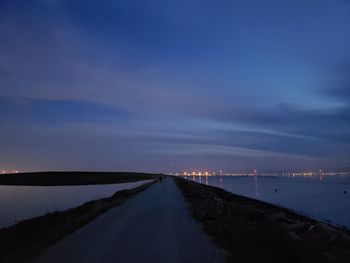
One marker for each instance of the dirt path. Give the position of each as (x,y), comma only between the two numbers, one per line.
(154,226)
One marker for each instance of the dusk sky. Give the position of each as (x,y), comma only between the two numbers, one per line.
(166,86)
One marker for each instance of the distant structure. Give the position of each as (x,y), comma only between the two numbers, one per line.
(10,171)
(319,173)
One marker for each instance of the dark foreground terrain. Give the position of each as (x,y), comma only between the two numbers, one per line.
(154,226)
(27,239)
(72,178)
(255,231)
(248,230)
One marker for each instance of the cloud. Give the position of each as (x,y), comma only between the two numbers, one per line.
(92,98)
(58,112)
(339,87)
(56,62)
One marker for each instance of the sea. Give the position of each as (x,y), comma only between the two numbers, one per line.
(325,198)
(23,202)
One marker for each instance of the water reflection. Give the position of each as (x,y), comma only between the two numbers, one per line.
(322,197)
(221,182)
(21,202)
(256,193)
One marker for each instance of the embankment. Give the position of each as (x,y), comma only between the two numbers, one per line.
(255,231)
(26,240)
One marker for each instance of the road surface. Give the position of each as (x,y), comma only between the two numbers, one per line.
(153,226)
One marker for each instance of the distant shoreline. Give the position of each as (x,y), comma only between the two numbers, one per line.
(72,178)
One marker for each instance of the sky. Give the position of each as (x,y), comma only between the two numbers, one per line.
(167,86)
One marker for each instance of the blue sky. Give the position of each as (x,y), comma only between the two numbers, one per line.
(165,86)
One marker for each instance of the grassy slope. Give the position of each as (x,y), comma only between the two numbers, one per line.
(71,178)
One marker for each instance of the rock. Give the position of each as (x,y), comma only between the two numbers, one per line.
(327,227)
(310,228)
(293,237)
(295,227)
(255,215)
(275,217)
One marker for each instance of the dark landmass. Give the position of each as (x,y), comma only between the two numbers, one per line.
(255,231)
(27,239)
(72,178)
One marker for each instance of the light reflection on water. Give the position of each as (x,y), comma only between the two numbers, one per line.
(22,202)
(324,198)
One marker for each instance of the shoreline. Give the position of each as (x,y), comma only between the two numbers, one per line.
(251,230)
(72,178)
(307,203)
(25,240)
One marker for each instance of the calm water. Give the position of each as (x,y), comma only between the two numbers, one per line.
(22,202)
(322,198)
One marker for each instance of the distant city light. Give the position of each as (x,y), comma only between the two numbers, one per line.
(15,171)
(319,173)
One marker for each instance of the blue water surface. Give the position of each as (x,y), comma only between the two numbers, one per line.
(324,198)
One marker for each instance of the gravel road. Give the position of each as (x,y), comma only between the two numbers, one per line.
(154,226)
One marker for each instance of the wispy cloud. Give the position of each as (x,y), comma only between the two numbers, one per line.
(161,89)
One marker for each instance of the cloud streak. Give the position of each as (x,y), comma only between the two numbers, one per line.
(200,91)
